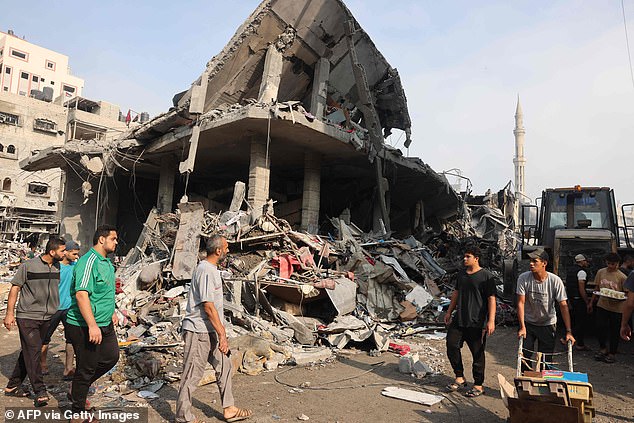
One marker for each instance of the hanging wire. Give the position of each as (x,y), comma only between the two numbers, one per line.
(627,42)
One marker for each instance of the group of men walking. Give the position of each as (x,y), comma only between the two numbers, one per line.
(57,286)
(471,314)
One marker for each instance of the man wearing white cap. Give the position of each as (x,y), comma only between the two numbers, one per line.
(576,279)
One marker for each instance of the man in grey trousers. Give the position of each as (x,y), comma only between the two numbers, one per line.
(205,337)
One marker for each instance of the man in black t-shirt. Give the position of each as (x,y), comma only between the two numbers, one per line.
(474,302)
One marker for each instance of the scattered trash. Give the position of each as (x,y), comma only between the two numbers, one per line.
(411,396)
(147,395)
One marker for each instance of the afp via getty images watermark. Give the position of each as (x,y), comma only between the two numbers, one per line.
(50,414)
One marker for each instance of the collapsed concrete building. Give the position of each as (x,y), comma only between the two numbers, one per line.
(298,105)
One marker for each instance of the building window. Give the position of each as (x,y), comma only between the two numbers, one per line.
(1,51)
(11,149)
(1,148)
(45,125)
(9,119)
(68,88)
(23,83)
(6,83)
(38,188)
(50,65)
(6,184)
(19,54)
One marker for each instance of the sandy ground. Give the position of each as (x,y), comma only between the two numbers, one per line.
(356,381)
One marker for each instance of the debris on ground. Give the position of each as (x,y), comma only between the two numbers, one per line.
(291,297)
(295,298)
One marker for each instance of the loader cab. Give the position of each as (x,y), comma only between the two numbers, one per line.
(570,221)
(575,208)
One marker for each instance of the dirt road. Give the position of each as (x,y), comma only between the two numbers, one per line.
(354,394)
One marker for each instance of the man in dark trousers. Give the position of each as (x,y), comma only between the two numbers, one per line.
(91,317)
(576,279)
(205,337)
(37,282)
(537,293)
(474,302)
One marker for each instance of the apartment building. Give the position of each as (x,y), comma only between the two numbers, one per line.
(40,107)
(30,70)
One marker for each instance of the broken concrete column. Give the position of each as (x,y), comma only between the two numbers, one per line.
(259,174)
(312,191)
(271,75)
(78,213)
(166,185)
(320,88)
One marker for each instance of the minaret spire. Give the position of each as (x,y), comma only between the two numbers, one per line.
(519,161)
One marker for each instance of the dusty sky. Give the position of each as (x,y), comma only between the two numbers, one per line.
(463,64)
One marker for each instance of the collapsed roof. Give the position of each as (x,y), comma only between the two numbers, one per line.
(304,31)
(362,101)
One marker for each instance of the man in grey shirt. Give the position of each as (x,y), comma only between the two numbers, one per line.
(37,282)
(537,292)
(205,337)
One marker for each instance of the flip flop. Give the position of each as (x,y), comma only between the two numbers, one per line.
(41,401)
(473,392)
(454,386)
(69,376)
(599,356)
(608,359)
(241,414)
(18,392)
(70,398)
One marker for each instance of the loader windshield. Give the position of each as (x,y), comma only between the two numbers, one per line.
(569,210)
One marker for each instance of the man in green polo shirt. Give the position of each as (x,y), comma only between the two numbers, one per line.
(91,317)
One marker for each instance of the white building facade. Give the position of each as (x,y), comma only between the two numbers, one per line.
(27,69)
(41,107)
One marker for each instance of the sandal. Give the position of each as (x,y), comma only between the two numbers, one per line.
(473,392)
(600,356)
(87,406)
(69,376)
(18,391)
(41,400)
(454,386)
(241,414)
(609,359)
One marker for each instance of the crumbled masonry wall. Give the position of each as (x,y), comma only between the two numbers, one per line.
(26,139)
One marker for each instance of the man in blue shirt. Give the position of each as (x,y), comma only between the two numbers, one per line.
(65,276)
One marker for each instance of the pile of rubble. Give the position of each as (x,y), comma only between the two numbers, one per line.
(11,256)
(291,297)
